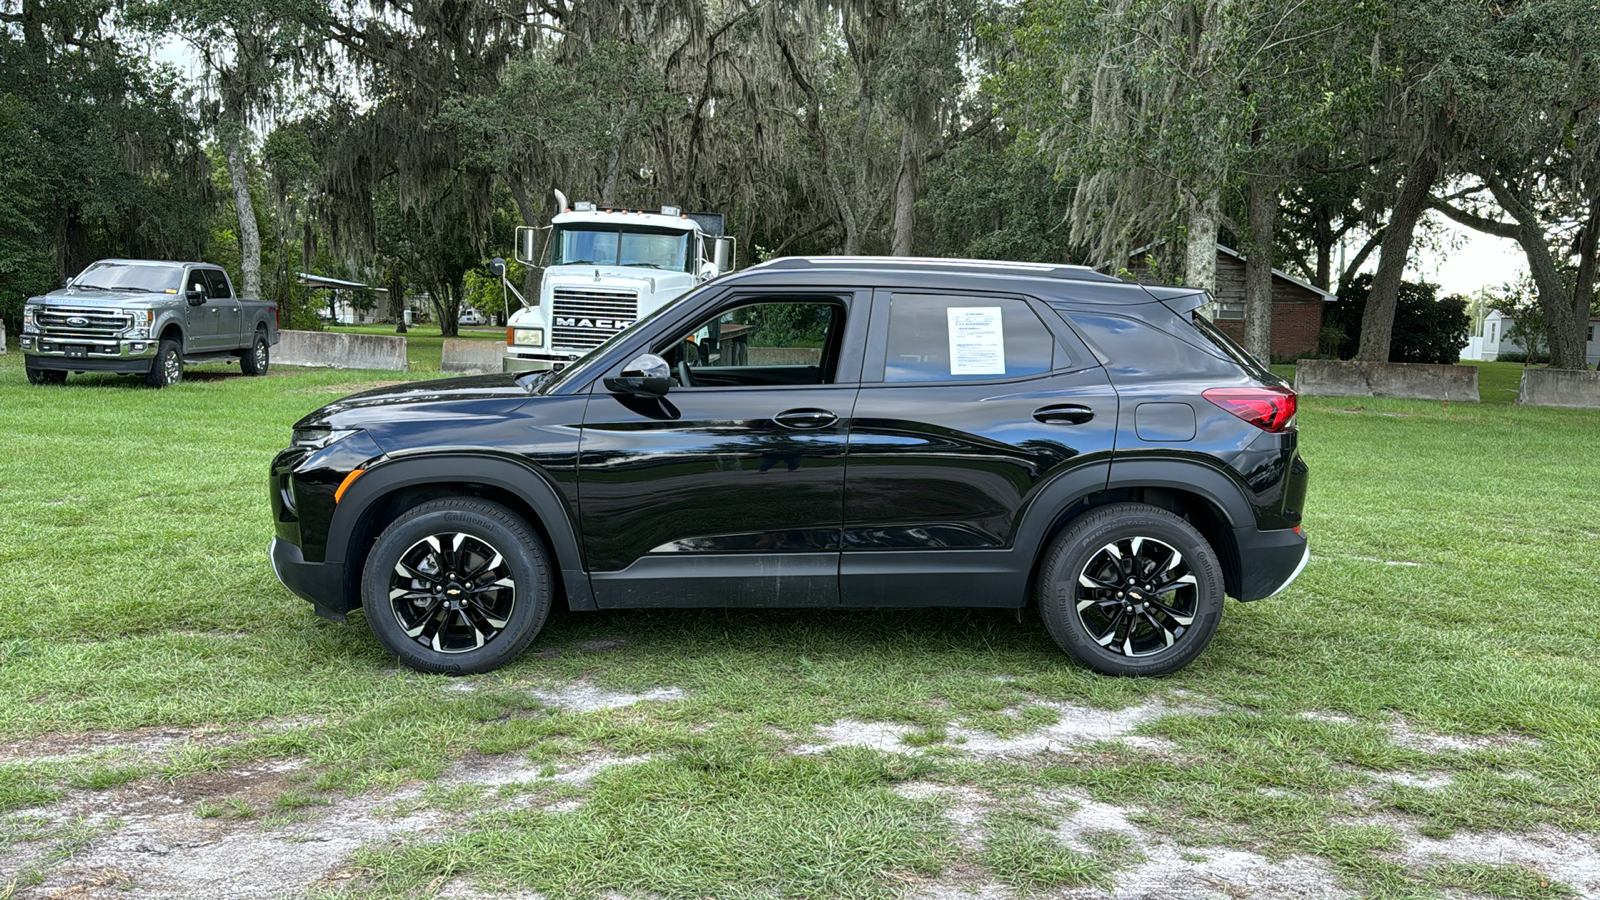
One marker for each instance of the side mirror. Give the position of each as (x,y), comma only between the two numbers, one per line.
(647,376)
(497,267)
(196,297)
(723,254)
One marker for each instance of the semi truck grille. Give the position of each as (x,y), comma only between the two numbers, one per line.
(66,323)
(583,320)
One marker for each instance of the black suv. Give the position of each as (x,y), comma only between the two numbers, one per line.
(866,432)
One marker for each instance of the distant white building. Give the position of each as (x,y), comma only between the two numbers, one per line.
(1491,340)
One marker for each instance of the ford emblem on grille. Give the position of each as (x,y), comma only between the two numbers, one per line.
(77,320)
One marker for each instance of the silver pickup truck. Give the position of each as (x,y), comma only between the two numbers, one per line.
(143,317)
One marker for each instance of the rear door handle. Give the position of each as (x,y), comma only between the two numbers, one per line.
(1065,414)
(805,418)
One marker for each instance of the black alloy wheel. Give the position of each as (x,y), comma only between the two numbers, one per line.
(452,592)
(1130,589)
(458,586)
(1137,596)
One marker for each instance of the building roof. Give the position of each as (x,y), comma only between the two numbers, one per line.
(1276,273)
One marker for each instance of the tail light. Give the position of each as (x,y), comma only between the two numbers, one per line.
(1267,408)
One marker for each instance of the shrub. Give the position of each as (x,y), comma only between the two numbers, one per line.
(1427,328)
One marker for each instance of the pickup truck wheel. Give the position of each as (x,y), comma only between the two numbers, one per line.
(254,360)
(1130,589)
(167,367)
(46,376)
(457,586)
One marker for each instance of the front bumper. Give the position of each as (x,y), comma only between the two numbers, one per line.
(81,354)
(526,361)
(321,584)
(1269,561)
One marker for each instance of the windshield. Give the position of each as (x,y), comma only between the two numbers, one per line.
(121,276)
(653,248)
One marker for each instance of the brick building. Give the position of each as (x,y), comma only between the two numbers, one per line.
(1296,305)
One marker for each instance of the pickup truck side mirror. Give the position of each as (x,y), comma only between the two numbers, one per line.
(647,376)
(196,297)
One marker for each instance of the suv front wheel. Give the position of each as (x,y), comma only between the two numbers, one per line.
(1130,589)
(457,586)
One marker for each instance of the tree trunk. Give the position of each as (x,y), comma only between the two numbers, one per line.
(1200,262)
(1325,241)
(1565,330)
(249,235)
(1588,250)
(1377,323)
(905,189)
(1262,200)
(396,284)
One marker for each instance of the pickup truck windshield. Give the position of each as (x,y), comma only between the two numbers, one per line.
(616,246)
(113,276)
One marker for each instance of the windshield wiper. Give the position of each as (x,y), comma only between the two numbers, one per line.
(142,290)
(90,287)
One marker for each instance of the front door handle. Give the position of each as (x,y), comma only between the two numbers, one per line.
(1065,414)
(805,418)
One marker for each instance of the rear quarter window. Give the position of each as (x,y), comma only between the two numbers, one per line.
(1133,348)
(946,337)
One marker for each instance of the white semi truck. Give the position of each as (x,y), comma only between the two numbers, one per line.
(605,269)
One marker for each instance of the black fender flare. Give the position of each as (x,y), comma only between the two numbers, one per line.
(526,482)
(1060,495)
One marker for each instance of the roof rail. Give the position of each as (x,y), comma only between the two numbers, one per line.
(1039,270)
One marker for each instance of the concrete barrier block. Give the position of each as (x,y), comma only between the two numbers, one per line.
(471,356)
(1560,387)
(1407,381)
(340,350)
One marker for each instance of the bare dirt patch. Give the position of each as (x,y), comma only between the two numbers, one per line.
(1572,859)
(580,696)
(1074,727)
(1404,734)
(143,744)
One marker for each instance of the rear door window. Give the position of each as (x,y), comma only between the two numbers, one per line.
(943,337)
(216,284)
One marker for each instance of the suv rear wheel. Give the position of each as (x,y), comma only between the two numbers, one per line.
(1130,589)
(458,586)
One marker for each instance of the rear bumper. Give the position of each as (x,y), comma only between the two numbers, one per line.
(1269,561)
(320,584)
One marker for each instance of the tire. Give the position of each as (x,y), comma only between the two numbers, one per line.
(255,358)
(419,560)
(167,368)
(46,376)
(1100,577)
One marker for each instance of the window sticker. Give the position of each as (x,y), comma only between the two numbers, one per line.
(977,343)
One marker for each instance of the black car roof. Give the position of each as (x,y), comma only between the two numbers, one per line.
(1052,282)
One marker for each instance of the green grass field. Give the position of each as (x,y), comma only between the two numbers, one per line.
(1428,685)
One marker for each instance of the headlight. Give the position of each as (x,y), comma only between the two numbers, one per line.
(141,319)
(318,436)
(529,337)
(30,322)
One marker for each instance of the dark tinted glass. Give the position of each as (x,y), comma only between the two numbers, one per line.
(216,284)
(954,338)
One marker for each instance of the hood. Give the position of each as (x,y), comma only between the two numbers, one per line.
(449,398)
(101,299)
(645,281)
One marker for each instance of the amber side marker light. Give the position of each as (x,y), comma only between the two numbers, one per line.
(345,484)
(1267,408)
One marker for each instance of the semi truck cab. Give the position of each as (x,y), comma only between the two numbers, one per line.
(603,270)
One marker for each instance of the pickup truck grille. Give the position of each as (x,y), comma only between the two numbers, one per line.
(85,323)
(583,320)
